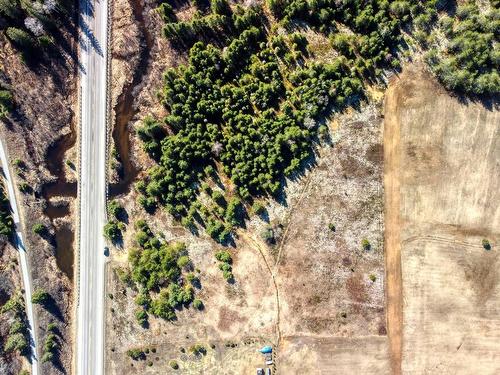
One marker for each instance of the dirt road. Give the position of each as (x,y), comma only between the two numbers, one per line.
(392,243)
(25,269)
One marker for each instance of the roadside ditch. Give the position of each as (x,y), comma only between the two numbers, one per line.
(124,109)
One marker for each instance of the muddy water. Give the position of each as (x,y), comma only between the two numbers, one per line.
(64,250)
(55,211)
(125,112)
(55,165)
(64,235)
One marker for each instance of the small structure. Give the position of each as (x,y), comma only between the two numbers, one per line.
(260,371)
(268,371)
(266,349)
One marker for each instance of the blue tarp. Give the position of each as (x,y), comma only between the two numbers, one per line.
(266,349)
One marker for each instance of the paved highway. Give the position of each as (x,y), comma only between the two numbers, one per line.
(23,258)
(92,188)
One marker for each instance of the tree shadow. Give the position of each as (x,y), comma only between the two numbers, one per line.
(91,38)
(51,306)
(86,7)
(264,215)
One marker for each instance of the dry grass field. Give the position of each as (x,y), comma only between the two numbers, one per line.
(444,162)
(315,293)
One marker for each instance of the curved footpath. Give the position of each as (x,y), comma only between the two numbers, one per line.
(24,261)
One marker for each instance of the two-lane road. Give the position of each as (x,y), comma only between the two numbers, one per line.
(92,188)
(24,261)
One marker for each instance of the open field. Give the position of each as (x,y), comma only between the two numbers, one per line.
(326,290)
(448,153)
(315,293)
(304,281)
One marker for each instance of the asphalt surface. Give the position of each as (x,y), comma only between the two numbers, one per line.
(92,188)
(23,258)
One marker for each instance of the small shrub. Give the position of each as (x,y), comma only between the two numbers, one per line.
(258,208)
(174,364)
(17,327)
(192,278)
(70,164)
(143,299)
(47,357)
(136,354)
(112,231)
(486,244)
(39,229)
(224,256)
(16,342)
(198,304)
(50,343)
(225,267)
(332,227)
(366,244)
(52,327)
(228,275)
(116,209)
(373,278)
(142,317)
(124,275)
(198,349)
(218,198)
(24,187)
(183,261)
(268,235)
(142,237)
(40,296)
(19,163)
(323,131)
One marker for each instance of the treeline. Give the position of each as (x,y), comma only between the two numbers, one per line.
(374,27)
(29,24)
(249,110)
(470,60)
(250,101)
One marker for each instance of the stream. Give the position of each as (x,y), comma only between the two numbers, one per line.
(125,112)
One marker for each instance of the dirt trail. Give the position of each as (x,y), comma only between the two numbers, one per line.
(394,293)
(255,244)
